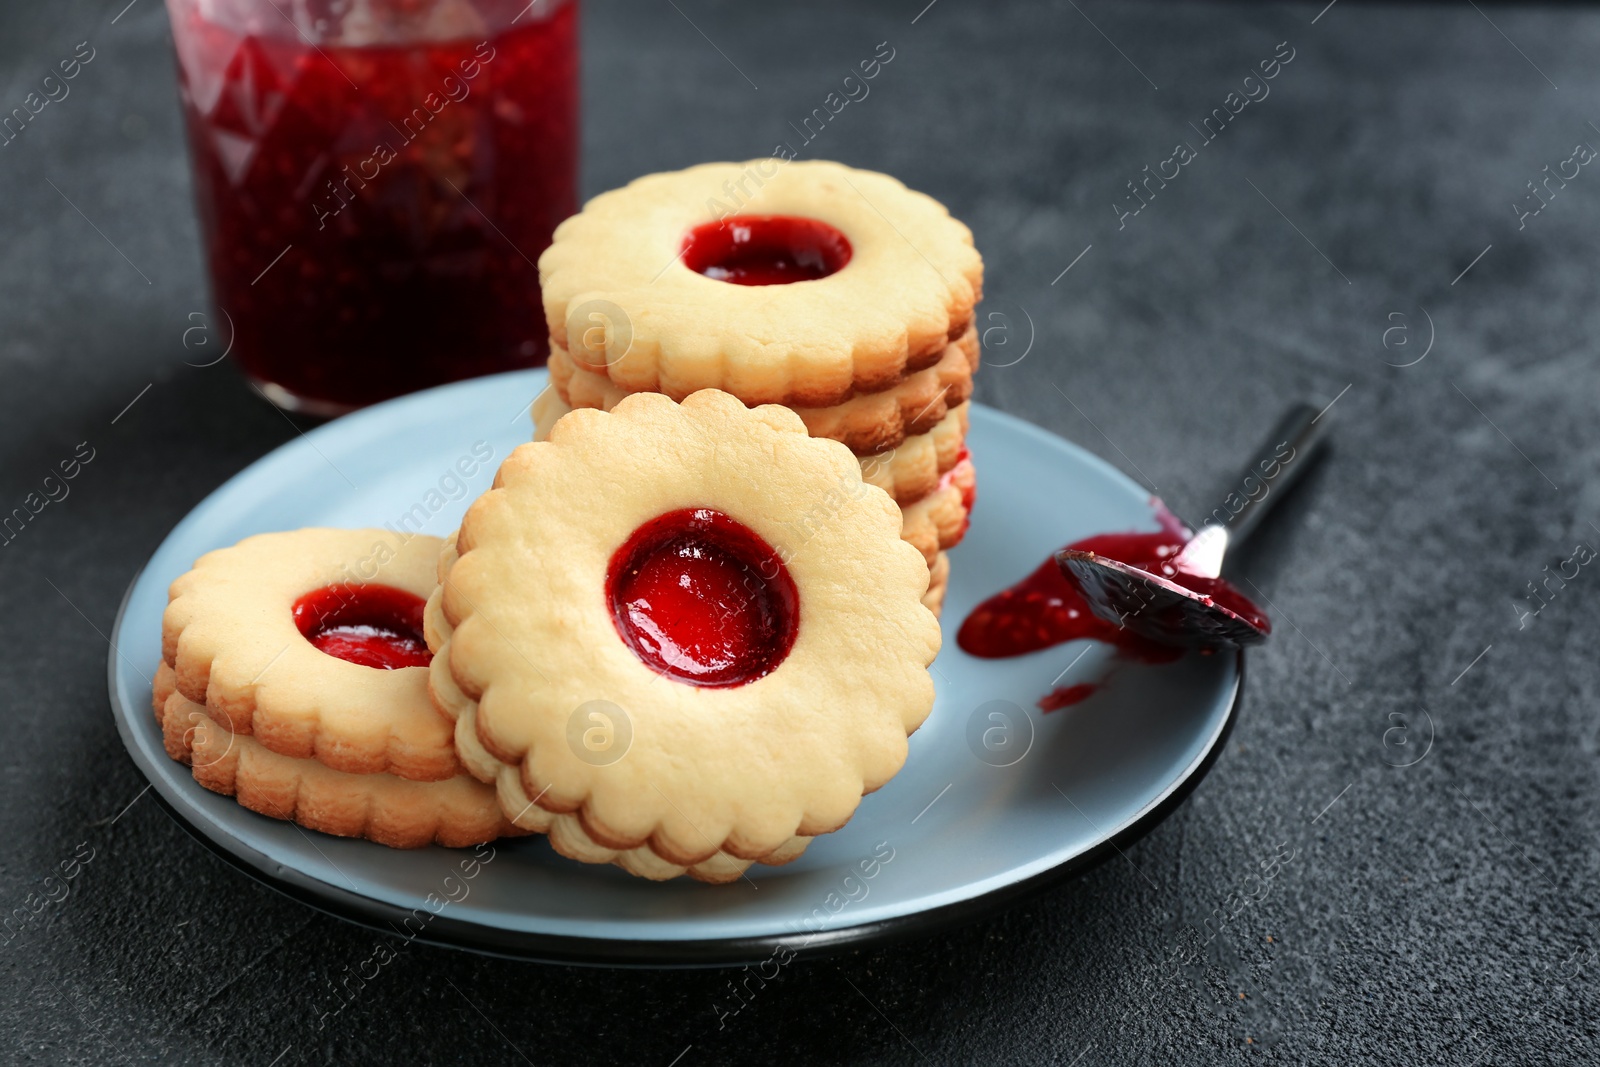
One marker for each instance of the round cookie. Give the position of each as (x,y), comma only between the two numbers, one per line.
(233,636)
(748,733)
(866,422)
(874,422)
(622,294)
(908,472)
(392,811)
(566,831)
(912,470)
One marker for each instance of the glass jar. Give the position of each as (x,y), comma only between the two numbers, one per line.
(376,180)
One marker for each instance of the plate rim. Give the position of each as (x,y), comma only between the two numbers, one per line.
(445,931)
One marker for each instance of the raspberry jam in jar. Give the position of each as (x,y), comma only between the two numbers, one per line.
(376,180)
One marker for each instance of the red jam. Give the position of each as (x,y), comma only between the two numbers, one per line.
(1218,591)
(765,250)
(702,599)
(969,492)
(1046,609)
(371,625)
(373,213)
(1064,696)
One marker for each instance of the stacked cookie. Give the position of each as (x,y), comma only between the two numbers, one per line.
(629,667)
(294,678)
(836,292)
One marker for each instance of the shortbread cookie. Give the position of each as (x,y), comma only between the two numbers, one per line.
(866,422)
(379,807)
(780,282)
(565,830)
(246,628)
(177,733)
(938,582)
(907,472)
(875,422)
(939,520)
(912,470)
(715,584)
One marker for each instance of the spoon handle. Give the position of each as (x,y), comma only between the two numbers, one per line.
(1283,457)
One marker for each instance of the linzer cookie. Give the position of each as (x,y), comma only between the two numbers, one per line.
(716,594)
(799,283)
(865,421)
(566,831)
(874,422)
(295,680)
(390,810)
(311,642)
(913,469)
(908,472)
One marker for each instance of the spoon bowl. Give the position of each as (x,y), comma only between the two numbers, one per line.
(1191,606)
(1158,608)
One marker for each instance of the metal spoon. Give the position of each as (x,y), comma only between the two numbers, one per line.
(1164,610)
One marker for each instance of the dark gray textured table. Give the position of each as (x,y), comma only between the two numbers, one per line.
(1438,913)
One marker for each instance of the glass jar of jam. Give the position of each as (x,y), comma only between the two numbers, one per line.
(376,180)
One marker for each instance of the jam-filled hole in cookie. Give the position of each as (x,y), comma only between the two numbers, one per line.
(701,598)
(370,625)
(765,250)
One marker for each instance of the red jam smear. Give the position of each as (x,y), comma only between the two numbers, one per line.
(1064,696)
(370,625)
(765,250)
(373,214)
(703,599)
(1046,608)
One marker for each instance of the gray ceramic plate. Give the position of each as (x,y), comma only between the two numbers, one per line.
(997,799)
